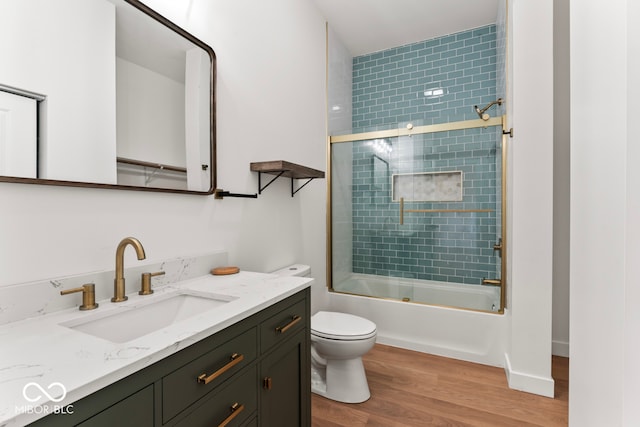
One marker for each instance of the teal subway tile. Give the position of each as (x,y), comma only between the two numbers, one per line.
(411,54)
(417,46)
(472,69)
(448,53)
(448,39)
(440,63)
(487,68)
(478,63)
(389,52)
(390,66)
(390,80)
(408,103)
(484,30)
(482,77)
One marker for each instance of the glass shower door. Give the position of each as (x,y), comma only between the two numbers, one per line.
(416,217)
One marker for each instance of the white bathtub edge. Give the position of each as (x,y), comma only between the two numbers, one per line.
(528,383)
(438,351)
(460,334)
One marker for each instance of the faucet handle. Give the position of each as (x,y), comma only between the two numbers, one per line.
(146,282)
(88,296)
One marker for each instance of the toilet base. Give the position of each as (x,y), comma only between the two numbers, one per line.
(341,380)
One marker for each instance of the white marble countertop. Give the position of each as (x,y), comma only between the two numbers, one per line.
(73,364)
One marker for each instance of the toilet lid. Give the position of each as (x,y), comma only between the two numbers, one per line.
(341,326)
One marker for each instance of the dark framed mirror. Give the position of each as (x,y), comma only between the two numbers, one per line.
(105,94)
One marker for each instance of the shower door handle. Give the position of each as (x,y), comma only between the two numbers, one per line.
(498,247)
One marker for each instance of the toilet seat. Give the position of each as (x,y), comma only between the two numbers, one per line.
(341,326)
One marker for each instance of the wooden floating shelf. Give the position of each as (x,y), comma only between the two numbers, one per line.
(286,169)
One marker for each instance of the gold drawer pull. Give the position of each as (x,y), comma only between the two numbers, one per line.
(235,359)
(235,411)
(267,383)
(282,329)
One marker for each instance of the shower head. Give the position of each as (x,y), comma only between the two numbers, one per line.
(481,114)
(482,111)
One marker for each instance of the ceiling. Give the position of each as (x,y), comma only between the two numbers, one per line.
(367,26)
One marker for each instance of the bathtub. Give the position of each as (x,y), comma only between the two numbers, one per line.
(475,336)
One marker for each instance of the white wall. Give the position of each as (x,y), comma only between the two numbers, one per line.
(270,92)
(18,135)
(561,178)
(43,57)
(605,208)
(530,197)
(150,115)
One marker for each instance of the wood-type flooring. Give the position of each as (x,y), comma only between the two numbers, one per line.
(411,389)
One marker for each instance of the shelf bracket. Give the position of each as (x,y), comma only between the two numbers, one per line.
(260,187)
(299,188)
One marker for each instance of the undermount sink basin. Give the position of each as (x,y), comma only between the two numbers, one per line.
(128,323)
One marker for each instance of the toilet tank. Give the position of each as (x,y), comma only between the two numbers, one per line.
(300,270)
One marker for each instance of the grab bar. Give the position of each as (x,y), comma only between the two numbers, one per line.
(403,210)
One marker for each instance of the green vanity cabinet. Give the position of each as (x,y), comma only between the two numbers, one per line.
(129,412)
(253,373)
(286,377)
(285,368)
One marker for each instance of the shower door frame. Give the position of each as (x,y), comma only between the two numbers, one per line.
(419,130)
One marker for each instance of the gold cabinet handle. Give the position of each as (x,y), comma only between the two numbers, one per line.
(235,359)
(235,411)
(294,320)
(267,383)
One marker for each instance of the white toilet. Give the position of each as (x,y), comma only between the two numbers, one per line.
(338,342)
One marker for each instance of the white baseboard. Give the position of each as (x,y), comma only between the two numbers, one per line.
(560,348)
(526,382)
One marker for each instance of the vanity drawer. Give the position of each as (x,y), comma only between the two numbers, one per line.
(240,394)
(134,411)
(283,324)
(189,383)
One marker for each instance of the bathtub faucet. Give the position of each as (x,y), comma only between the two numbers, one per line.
(492,282)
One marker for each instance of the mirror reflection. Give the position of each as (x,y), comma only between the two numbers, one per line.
(104,93)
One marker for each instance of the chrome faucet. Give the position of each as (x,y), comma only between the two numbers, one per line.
(118,282)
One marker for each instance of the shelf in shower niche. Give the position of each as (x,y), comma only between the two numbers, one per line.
(443,186)
(285,169)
